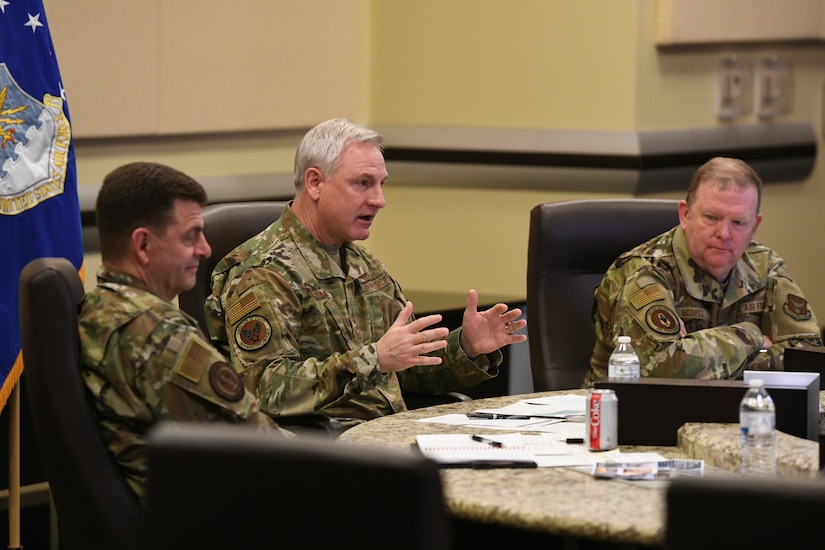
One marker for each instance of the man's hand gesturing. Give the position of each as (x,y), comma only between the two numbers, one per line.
(405,344)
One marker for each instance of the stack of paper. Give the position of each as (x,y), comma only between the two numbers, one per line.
(517,450)
(556,414)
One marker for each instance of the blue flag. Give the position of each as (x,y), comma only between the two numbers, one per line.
(39,209)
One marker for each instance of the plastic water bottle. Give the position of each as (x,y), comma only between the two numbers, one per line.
(757,420)
(623,362)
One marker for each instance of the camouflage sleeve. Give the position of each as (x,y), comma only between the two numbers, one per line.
(284,354)
(186,379)
(644,310)
(302,355)
(788,319)
(456,371)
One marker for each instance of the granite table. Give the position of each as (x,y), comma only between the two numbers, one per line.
(564,502)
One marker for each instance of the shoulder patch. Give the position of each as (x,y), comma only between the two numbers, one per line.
(226,382)
(797,307)
(193,360)
(646,295)
(245,305)
(662,320)
(253,333)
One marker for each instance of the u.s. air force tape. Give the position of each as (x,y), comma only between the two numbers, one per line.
(253,333)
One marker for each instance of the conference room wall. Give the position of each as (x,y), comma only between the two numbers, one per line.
(560,65)
(489,66)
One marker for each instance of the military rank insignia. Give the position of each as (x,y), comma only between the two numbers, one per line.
(253,333)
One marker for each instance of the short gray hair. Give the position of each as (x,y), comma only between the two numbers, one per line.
(322,146)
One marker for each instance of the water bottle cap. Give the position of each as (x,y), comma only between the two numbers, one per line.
(756,383)
(624,339)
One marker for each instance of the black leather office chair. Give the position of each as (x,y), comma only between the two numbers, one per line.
(213,486)
(744,512)
(95,507)
(571,246)
(227,225)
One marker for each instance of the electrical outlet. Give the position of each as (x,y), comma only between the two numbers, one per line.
(733,87)
(775,85)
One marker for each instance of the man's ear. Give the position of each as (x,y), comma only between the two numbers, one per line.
(140,244)
(313,180)
(683,212)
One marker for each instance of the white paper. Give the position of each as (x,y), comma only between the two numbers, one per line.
(549,425)
(461,448)
(547,450)
(565,406)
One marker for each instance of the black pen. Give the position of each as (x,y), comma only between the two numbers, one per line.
(572,440)
(497,416)
(485,464)
(491,442)
(489,464)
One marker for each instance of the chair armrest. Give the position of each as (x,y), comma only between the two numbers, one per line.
(417,400)
(458,396)
(314,424)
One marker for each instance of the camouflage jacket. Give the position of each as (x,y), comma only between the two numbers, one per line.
(145,361)
(648,289)
(303,332)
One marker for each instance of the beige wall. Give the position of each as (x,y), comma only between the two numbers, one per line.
(587,65)
(487,63)
(536,64)
(165,67)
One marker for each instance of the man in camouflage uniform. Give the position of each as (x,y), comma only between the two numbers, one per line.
(143,359)
(704,300)
(316,324)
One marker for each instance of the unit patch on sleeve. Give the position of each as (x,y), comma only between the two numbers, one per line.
(253,333)
(662,320)
(226,382)
(797,307)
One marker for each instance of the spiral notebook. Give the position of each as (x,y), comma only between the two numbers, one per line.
(476,451)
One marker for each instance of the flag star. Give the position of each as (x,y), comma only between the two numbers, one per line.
(34,22)
(3,5)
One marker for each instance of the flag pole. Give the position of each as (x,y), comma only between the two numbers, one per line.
(14,468)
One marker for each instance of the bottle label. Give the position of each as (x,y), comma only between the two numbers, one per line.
(757,424)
